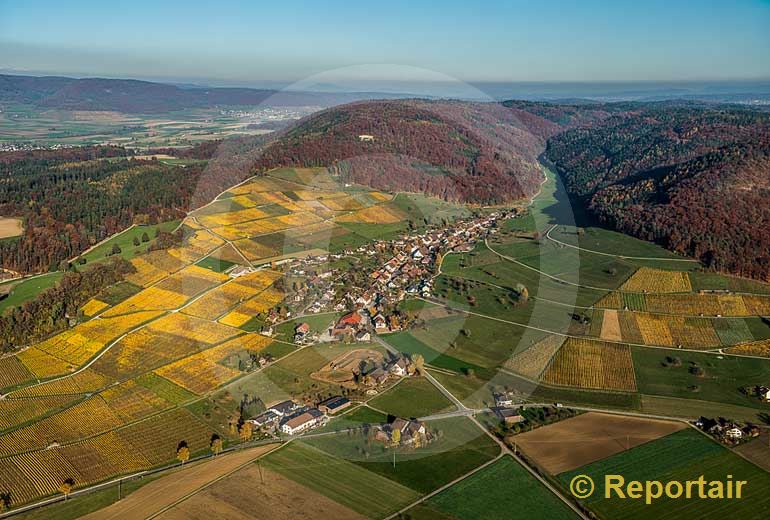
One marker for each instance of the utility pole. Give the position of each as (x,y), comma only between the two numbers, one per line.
(120,489)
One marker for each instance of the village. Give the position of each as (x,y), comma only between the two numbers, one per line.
(391,271)
(361,302)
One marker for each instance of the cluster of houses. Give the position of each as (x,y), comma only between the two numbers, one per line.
(505,409)
(412,261)
(291,418)
(403,432)
(288,417)
(397,367)
(29,146)
(726,430)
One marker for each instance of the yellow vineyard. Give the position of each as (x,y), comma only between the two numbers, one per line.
(649,280)
(203,372)
(106,397)
(94,307)
(693,304)
(374,215)
(589,364)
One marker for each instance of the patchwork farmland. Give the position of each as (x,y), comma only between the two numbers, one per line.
(173,357)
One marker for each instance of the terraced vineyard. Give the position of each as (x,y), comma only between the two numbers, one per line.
(106,397)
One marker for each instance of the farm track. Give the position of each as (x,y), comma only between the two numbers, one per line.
(623,257)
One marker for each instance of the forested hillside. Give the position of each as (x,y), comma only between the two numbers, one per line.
(466,152)
(694,179)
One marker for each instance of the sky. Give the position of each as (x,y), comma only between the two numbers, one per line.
(240,42)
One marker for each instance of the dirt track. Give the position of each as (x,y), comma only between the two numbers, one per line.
(589,437)
(167,490)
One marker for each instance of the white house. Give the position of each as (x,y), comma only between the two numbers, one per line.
(734,433)
(399,368)
(304,421)
(366,138)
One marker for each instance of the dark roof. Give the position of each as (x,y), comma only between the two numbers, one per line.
(334,402)
(507,412)
(284,407)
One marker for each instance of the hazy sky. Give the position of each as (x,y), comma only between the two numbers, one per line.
(226,40)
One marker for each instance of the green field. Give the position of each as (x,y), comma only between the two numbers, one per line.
(215,264)
(26,290)
(483,265)
(720,381)
(714,281)
(412,397)
(125,241)
(165,389)
(477,341)
(21,122)
(115,294)
(354,418)
(459,447)
(502,490)
(422,210)
(345,482)
(681,456)
(406,342)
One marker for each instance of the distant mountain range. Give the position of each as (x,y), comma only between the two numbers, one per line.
(145,97)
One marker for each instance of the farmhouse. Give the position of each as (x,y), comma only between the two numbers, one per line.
(502,399)
(409,433)
(334,404)
(399,368)
(267,419)
(509,415)
(284,408)
(301,421)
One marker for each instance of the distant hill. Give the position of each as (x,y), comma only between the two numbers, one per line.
(482,153)
(693,179)
(145,97)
